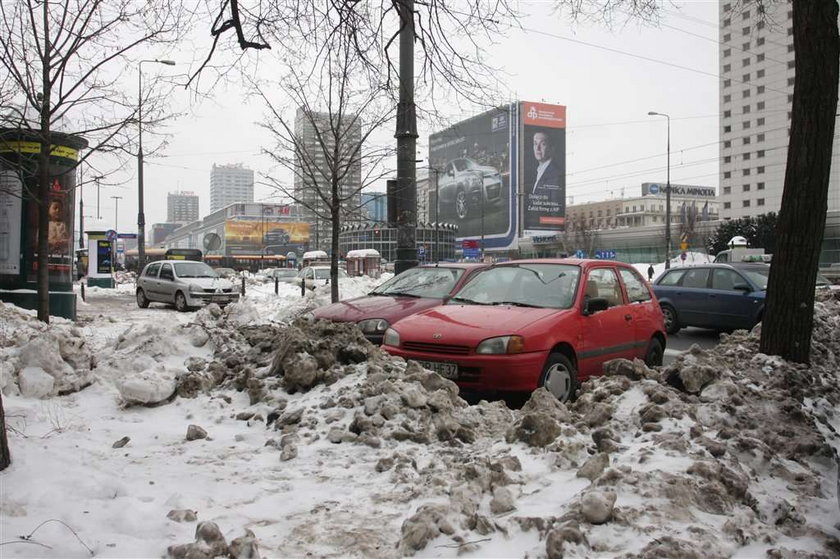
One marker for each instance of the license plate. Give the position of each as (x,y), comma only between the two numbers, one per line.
(219,299)
(446,370)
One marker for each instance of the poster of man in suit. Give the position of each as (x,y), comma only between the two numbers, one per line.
(544,185)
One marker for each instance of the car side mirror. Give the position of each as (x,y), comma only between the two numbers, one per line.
(595,304)
(742,287)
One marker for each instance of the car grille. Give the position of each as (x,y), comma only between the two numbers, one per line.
(437,348)
(213,290)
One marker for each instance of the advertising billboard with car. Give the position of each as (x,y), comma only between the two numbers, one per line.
(543,166)
(255,234)
(469,170)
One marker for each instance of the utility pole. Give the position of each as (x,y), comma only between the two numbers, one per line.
(406,135)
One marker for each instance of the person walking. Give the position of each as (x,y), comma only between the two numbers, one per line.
(650,272)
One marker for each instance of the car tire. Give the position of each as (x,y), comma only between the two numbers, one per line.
(655,353)
(462,209)
(559,377)
(142,301)
(181,302)
(672,321)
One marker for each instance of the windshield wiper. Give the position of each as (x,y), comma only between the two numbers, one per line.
(517,304)
(400,294)
(468,301)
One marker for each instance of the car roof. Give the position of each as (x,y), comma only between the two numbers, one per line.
(174,261)
(728,266)
(582,262)
(465,265)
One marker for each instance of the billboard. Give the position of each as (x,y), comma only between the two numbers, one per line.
(470,178)
(543,166)
(255,234)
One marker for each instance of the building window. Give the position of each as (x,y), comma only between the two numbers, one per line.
(727,52)
(727,37)
(759,186)
(791,64)
(745,109)
(747,156)
(759,153)
(759,170)
(746,141)
(746,203)
(726,68)
(759,41)
(759,121)
(727,22)
(727,129)
(727,83)
(745,172)
(790,82)
(745,30)
(745,46)
(759,138)
(746,188)
(727,144)
(759,89)
(727,205)
(727,98)
(790,47)
(790,31)
(727,174)
(759,202)
(745,78)
(746,124)
(727,190)
(745,62)
(745,93)
(759,106)
(745,15)
(759,74)
(727,114)
(727,159)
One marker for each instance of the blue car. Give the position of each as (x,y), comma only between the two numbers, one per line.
(716,296)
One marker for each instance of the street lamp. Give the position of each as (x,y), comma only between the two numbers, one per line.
(667,193)
(141,216)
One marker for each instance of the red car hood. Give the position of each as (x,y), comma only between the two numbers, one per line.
(391,308)
(469,324)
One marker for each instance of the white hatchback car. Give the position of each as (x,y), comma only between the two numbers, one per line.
(184,283)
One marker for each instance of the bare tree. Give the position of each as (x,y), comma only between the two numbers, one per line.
(329,147)
(66,64)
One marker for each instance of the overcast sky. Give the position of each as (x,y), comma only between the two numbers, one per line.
(608,79)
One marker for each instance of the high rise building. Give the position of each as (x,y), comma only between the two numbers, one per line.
(230,184)
(375,205)
(756,94)
(181,207)
(317,139)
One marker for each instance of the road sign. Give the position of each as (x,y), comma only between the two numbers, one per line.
(470,243)
(471,253)
(126,235)
(683,246)
(421,251)
(683,256)
(110,234)
(605,254)
(580,254)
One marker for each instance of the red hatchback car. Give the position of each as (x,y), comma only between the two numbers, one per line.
(524,324)
(414,290)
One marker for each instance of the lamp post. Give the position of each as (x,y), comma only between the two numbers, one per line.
(437,213)
(141,216)
(667,192)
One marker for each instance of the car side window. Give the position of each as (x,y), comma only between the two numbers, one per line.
(637,291)
(152,270)
(726,279)
(696,277)
(671,278)
(602,282)
(166,272)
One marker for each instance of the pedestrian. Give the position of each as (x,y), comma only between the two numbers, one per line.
(650,272)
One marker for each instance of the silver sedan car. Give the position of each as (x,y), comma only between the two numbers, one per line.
(184,283)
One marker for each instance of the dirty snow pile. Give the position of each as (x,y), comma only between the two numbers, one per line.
(302,439)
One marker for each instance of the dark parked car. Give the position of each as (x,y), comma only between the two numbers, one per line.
(412,291)
(524,324)
(465,185)
(715,296)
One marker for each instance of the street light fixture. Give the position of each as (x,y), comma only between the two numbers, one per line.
(667,193)
(141,216)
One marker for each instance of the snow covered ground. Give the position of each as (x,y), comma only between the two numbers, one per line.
(147,433)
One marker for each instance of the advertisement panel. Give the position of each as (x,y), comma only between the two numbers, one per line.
(543,166)
(253,234)
(469,171)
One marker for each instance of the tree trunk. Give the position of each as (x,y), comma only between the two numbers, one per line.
(5,456)
(789,311)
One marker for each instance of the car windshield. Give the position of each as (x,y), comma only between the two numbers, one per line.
(194,270)
(757,275)
(421,282)
(286,273)
(529,285)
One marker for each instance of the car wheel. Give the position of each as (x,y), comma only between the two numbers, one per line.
(559,377)
(181,302)
(142,301)
(672,323)
(461,206)
(655,353)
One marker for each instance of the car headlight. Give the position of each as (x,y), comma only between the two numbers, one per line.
(195,288)
(501,345)
(392,337)
(373,325)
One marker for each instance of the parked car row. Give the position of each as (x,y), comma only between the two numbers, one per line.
(513,326)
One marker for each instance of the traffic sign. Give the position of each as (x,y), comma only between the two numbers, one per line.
(605,254)
(683,246)
(471,253)
(683,256)
(580,254)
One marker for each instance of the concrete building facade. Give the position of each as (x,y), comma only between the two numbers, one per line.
(181,207)
(230,184)
(316,138)
(756,94)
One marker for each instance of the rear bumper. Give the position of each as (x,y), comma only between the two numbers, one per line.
(515,373)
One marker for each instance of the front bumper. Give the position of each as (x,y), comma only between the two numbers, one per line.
(515,373)
(198,299)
